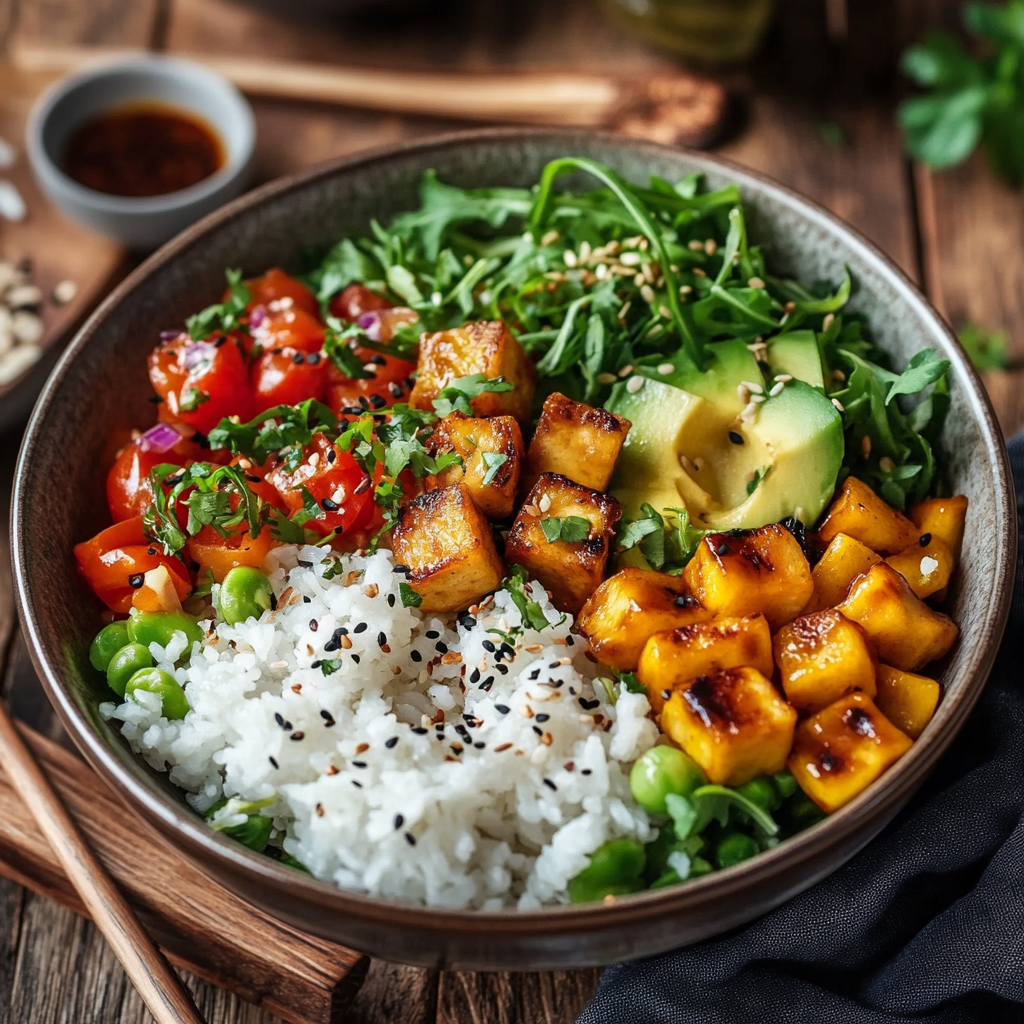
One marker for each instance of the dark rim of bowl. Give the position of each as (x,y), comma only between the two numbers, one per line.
(897,784)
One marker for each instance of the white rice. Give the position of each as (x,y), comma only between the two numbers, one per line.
(500,808)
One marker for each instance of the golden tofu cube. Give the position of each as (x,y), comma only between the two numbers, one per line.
(822,657)
(860,513)
(943,518)
(675,656)
(446,542)
(570,570)
(732,723)
(751,571)
(629,608)
(927,568)
(576,440)
(841,750)
(843,561)
(906,699)
(492,456)
(904,630)
(487,347)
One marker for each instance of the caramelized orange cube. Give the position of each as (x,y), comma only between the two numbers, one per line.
(841,750)
(926,567)
(906,699)
(732,723)
(631,606)
(751,571)
(446,542)
(676,656)
(843,561)
(860,513)
(821,657)
(943,518)
(904,630)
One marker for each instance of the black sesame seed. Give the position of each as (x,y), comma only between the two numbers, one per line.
(363,486)
(501,708)
(377,359)
(305,565)
(480,745)
(391,600)
(474,676)
(925,540)
(569,642)
(341,631)
(378,401)
(588,705)
(364,403)
(586,771)
(328,718)
(402,570)
(538,730)
(489,646)
(542,718)
(274,763)
(298,359)
(150,551)
(314,625)
(666,694)
(410,838)
(252,479)
(331,455)
(416,656)
(722,549)
(467,621)
(441,647)
(313,358)
(136,580)
(735,437)
(355,658)
(431,634)
(329,506)
(331,645)
(391,742)
(358,764)
(351,410)
(297,735)
(420,731)
(382,639)
(409,383)
(315,664)
(399,821)
(508,650)
(359,785)
(219,342)
(550,784)
(360,627)
(534,674)
(273,602)
(554,665)
(306,599)
(396,390)
(503,669)
(279,718)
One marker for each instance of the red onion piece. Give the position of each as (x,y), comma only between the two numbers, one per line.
(161,438)
(198,352)
(370,323)
(257,316)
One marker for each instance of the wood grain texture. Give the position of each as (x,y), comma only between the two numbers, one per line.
(503,998)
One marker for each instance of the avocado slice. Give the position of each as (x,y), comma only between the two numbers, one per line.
(686,451)
(797,353)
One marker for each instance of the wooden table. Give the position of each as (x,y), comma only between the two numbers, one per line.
(959,234)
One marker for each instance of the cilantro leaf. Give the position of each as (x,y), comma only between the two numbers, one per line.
(222,316)
(192,399)
(755,480)
(410,599)
(456,396)
(515,583)
(282,427)
(493,461)
(571,529)
(338,348)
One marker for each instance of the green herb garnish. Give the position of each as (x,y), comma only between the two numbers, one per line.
(222,316)
(571,529)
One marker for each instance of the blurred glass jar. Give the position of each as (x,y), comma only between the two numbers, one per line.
(709,31)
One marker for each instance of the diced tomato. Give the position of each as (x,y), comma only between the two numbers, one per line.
(256,481)
(391,383)
(287,377)
(356,300)
(335,480)
(221,554)
(201,382)
(291,327)
(129,492)
(115,561)
(276,285)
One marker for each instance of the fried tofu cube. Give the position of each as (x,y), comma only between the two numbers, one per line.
(446,542)
(926,567)
(751,571)
(822,657)
(487,347)
(577,441)
(673,657)
(732,723)
(492,456)
(906,699)
(841,750)
(630,607)
(843,561)
(570,570)
(860,513)
(943,518)
(905,632)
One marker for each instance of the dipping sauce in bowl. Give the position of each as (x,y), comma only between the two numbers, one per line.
(143,150)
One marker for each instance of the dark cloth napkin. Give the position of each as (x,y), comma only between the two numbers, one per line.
(925,924)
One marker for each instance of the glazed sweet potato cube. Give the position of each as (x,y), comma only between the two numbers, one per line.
(570,569)
(484,346)
(843,561)
(926,567)
(752,571)
(943,518)
(732,723)
(906,699)
(860,513)
(446,542)
(821,657)
(904,630)
(630,607)
(492,455)
(675,656)
(841,750)
(576,440)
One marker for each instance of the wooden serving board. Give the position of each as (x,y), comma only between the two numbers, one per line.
(199,925)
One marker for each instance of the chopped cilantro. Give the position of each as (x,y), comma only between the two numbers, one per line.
(571,529)
(533,615)
(409,596)
(493,461)
(222,316)
(456,397)
(284,429)
(192,399)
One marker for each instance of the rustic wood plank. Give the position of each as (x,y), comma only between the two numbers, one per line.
(552,997)
(393,994)
(96,23)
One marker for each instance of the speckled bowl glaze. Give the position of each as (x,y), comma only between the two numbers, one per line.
(100,386)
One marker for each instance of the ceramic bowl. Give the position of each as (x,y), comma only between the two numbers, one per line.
(100,387)
(146,222)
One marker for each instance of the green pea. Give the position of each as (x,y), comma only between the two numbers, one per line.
(663,770)
(245,593)
(154,680)
(733,848)
(615,869)
(785,783)
(125,663)
(160,627)
(109,640)
(761,791)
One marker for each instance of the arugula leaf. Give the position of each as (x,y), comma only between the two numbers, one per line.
(410,599)
(456,396)
(222,316)
(345,264)
(571,529)
(925,368)
(493,461)
(666,545)
(531,611)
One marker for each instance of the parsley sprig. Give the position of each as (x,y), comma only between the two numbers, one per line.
(222,316)
(284,429)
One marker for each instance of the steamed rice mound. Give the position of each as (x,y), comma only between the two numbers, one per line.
(464,763)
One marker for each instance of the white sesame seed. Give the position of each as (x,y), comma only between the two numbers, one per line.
(647,294)
(827,322)
(584,252)
(665,369)
(606,378)
(626,370)
(754,389)
(64,292)
(711,247)
(602,272)
(838,405)
(838,375)
(757,398)
(569,258)
(755,282)
(743,393)
(885,464)
(634,384)
(777,389)
(698,272)
(695,246)
(631,259)
(545,503)
(436,298)
(549,238)
(685,289)
(784,377)
(655,330)
(865,446)
(685,463)
(625,309)
(665,312)
(648,271)
(639,280)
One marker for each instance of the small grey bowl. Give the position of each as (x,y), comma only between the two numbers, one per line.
(141,223)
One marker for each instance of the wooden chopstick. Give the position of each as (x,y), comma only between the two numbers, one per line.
(153,977)
(673,107)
